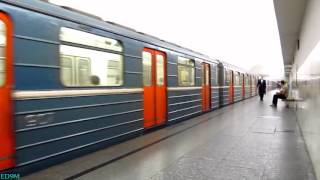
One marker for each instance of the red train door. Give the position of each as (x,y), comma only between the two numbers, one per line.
(206,87)
(155,87)
(7,148)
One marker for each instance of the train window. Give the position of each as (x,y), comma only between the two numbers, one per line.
(75,70)
(186,75)
(217,75)
(241,79)
(247,80)
(84,38)
(236,79)
(207,76)
(202,76)
(147,68)
(86,67)
(228,76)
(2,52)
(160,68)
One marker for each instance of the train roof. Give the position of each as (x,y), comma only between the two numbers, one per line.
(233,67)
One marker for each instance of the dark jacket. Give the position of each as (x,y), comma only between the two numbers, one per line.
(261,86)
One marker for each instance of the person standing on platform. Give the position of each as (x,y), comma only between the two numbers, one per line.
(282,94)
(261,88)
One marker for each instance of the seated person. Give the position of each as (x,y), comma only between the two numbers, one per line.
(282,94)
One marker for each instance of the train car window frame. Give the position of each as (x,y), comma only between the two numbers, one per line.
(202,76)
(3,44)
(88,39)
(225,76)
(217,75)
(237,79)
(98,54)
(205,74)
(247,80)
(147,68)
(160,73)
(242,79)
(228,74)
(187,64)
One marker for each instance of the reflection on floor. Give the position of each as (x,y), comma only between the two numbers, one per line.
(248,140)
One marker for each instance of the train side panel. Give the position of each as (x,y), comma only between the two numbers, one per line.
(55,122)
(215,88)
(237,87)
(58,127)
(183,101)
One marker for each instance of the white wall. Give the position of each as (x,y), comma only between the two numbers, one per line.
(306,70)
(310,32)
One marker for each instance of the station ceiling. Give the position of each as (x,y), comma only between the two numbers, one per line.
(289,14)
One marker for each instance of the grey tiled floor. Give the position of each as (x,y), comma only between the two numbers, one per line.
(248,140)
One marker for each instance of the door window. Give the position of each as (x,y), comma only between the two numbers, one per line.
(147,68)
(2,52)
(228,77)
(160,70)
(207,75)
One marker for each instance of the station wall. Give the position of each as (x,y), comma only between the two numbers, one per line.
(305,80)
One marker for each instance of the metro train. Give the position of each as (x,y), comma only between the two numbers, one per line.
(71,83)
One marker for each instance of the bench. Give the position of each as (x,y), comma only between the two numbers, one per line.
(292,101)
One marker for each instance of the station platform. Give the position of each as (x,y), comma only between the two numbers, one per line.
(247,140)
